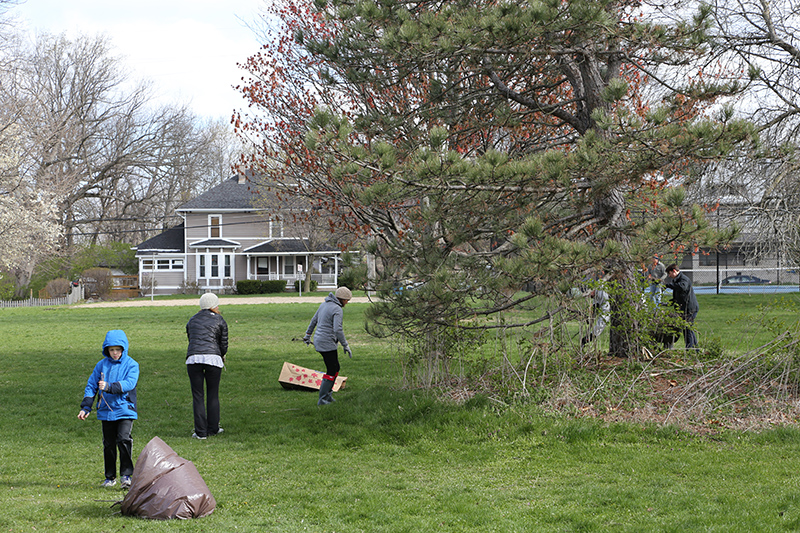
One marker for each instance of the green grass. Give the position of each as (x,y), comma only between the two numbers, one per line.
(378,460)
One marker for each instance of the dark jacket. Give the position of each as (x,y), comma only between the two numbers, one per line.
(208,334)
(683,293)
(122,375)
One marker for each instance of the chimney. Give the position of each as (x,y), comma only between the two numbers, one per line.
(242,179)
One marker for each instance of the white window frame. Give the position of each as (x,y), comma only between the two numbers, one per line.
(212,226)
(215,265)
(162,264)
(276,228)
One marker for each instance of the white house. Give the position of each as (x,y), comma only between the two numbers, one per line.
(229,234)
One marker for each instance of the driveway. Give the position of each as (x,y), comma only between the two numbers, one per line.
(223,301)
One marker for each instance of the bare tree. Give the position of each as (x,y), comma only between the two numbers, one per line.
(87,138)
(761,189)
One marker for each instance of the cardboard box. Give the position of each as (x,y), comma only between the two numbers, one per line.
(296,377)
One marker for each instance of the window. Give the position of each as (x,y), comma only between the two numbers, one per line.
(163,264)
(276,228)
(214,226)
(288,266)
(707,259)
(262,266)
(214,266)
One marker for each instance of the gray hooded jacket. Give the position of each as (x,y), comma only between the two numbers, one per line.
(328,324)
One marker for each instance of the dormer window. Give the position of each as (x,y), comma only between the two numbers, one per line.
(214,226)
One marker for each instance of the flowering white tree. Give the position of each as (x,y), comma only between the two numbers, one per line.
(29,229)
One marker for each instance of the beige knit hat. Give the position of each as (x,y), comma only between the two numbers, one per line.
(343,293)
(209,301)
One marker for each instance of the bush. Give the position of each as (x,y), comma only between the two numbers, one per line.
(354,273)
(98,282)
(298,282)
(248,286)
(58,288)
(273,286)
(189,287)
(7,286)
(254,286)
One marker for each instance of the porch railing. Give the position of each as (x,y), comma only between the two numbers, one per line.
(323,280)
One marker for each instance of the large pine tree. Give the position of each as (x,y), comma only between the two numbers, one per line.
(486,147)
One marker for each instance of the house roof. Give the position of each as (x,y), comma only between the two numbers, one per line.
(235,193)
(170,241)
(289,246)
(214,243)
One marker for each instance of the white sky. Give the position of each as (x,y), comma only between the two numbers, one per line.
(188,49)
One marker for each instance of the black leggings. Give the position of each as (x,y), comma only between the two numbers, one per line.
(331,362)
(206,421)
(117,435)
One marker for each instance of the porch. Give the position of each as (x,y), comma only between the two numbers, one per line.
(266,263)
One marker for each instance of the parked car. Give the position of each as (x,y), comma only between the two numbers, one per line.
(739,280)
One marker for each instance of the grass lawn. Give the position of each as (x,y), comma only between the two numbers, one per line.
(380,459)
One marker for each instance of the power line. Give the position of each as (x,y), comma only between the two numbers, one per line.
(109,232)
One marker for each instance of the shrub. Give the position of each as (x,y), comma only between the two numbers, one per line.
(273,286)
(354,273)
(248,286)
(253,286)
(7,286)
(298,282)
(98,282)
(58,288)
(189,287)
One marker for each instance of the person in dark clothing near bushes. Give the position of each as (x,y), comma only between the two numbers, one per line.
(205,358)
(683,296)
(329,332)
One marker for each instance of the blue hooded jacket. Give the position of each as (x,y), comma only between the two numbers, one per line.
(119,402)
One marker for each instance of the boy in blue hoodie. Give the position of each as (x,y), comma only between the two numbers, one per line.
(114,380)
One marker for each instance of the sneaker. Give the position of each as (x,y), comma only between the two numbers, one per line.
(220,430)
(108,483)
(196,436)
(125,482)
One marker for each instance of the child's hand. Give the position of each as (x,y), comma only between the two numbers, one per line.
(102,385)
(83,414)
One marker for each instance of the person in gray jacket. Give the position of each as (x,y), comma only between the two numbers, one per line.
(205,358)
(328,322)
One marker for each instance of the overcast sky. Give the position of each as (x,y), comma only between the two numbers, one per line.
(187,48)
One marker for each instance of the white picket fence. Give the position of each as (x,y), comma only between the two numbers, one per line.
(75,296)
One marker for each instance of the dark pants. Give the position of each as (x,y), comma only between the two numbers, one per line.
(117,435)
(688,334)
(206,420)
(331,362)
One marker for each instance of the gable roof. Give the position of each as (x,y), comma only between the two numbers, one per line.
(236,193)
(214,243)
(170,241)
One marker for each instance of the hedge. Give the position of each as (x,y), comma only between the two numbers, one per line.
(254,286)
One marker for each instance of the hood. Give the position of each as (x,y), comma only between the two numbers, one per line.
(116,337)
(332,298)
